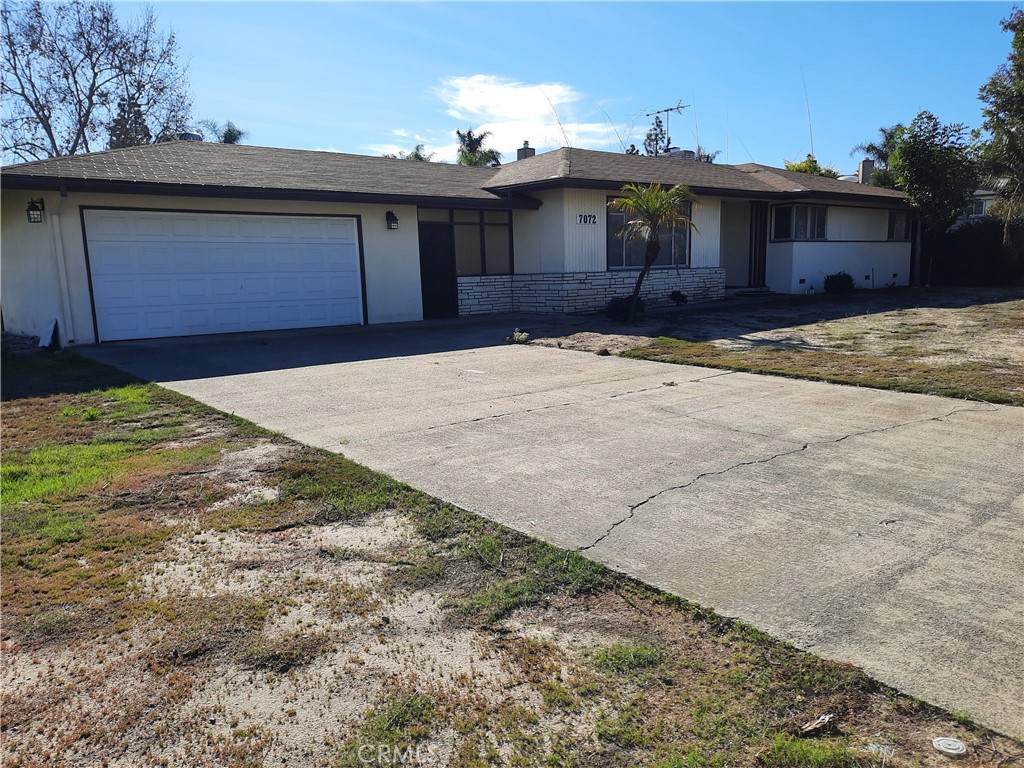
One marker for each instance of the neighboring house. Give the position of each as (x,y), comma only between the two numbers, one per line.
(188,237)
(980,203)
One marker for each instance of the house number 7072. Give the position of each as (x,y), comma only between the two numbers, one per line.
(586,218)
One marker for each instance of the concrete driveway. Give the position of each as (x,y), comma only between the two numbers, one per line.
(877,528)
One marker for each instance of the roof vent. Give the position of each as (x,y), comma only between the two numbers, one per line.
(681,154)
(525,151)
(190,136)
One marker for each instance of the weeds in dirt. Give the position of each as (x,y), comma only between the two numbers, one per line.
(563,663)
(791,752)
(622,659)
(287,651)
(978,380)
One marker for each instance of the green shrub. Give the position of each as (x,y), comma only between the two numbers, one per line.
(618,308)
(839,283)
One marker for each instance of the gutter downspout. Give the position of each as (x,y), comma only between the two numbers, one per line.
(66,333)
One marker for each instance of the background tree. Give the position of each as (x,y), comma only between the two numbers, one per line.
(632,150)
(879,151)
(418,153)
(66,67)
(656,143)
(128,128)
(1002,159)
(650,210)
(472,151)
(937,166)
(810,165)
(228,133)
(705,156)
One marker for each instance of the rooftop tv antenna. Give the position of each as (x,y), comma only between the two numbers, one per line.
(667,112)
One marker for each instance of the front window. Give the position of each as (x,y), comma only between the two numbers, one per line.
(483,239)
(799,222)
(976,209)
(899,225)
(626,253)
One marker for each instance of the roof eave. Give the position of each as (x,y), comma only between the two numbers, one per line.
(702,190)
(504,201)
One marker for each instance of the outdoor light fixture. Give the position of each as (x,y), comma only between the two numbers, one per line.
(35,211)
(391,219)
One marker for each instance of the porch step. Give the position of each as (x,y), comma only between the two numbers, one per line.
(750,292)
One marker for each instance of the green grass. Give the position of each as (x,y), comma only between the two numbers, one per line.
(978,380)
(623,659)
(790,752)
(59,471)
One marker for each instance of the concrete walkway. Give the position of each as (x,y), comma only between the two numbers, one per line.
(877,528)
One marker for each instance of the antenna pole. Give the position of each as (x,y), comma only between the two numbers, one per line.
(667,111)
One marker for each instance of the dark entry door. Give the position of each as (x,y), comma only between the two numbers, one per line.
(437,271)
(758,243)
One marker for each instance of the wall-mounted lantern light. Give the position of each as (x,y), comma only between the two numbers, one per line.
(35,211)
(391,219)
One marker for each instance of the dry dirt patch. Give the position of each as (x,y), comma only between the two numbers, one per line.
(210,594)
(956,342)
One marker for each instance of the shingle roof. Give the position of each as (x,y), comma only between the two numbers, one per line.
(194,167)
(788,181)
(202,164)
(608,168)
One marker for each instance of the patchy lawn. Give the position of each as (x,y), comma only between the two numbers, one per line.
(182,588)
(952,342)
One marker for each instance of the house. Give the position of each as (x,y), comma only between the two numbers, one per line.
(188,237)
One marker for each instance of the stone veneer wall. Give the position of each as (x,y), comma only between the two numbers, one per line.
(583,291)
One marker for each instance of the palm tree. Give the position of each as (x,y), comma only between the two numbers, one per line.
(879,151)
(471,149)
(650,210)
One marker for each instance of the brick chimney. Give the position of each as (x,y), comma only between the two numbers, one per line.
(864,170)
(525,151)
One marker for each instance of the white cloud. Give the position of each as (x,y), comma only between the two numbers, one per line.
(400,132)
(548,115)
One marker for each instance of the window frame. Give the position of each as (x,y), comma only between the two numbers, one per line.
(482,226)
(627,267)
(908,226)
(815,214)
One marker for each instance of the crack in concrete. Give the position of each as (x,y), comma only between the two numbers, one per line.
(569,402)
(634,507)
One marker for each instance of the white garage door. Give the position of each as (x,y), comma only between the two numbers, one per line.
(181,274)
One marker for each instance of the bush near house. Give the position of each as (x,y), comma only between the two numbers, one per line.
(839,283)
(974,255)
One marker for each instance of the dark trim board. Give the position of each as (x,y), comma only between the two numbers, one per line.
(88,265)
(507,201)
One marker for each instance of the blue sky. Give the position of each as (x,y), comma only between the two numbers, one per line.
(370,78)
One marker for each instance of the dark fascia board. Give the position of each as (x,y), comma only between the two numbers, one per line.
(616,186)
(883,201)
(508,201)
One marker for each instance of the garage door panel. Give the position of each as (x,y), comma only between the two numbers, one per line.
(168,274)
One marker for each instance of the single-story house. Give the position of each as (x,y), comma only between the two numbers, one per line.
(188,237)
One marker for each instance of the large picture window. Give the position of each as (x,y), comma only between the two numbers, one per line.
(799,222)
(630,254)
(483,239)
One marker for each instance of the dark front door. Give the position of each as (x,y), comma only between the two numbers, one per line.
(437,271)
(758,243)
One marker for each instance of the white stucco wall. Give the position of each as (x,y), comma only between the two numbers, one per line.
(856,243)
(873,265)
(31,289)
(552,239)
(846,223)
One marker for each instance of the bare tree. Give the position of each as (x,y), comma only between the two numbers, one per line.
(68,66)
